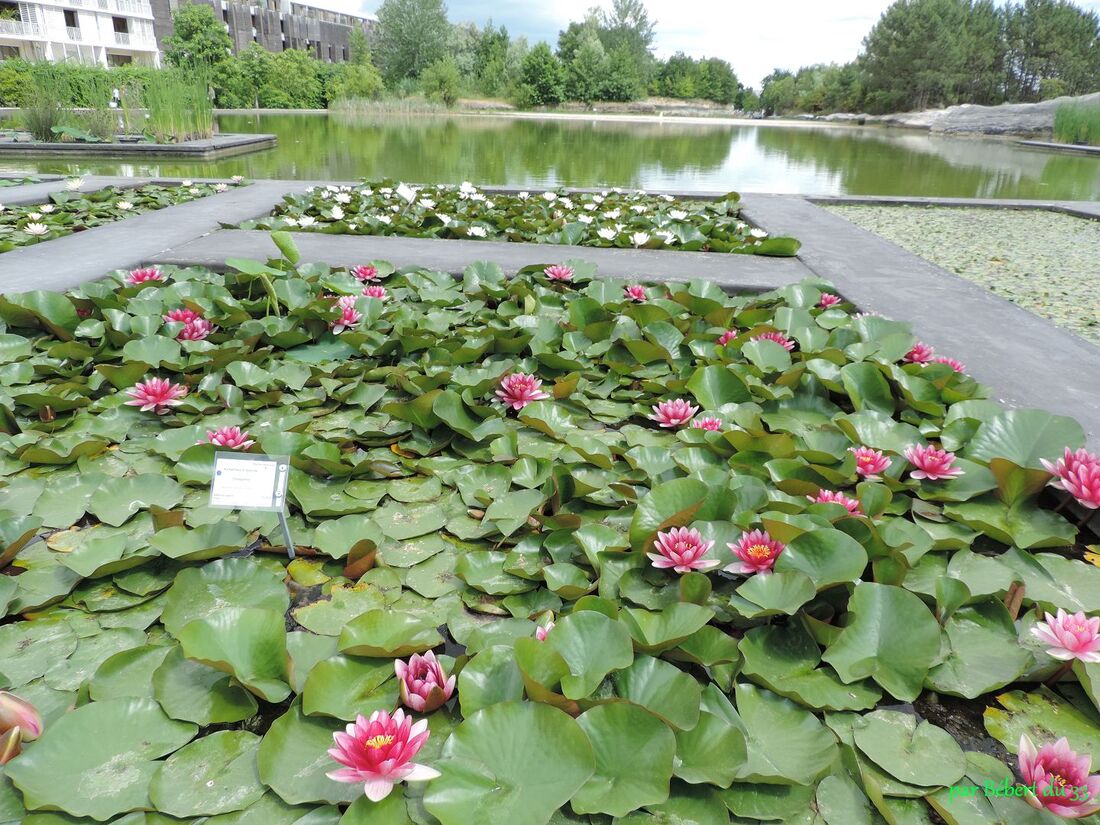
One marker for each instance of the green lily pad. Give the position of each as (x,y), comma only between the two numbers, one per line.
(216,774)
(293,760)
(918,753)
(786,745)
(388,633)
(199,592)
(98,760)
(347,686)
(891,637)
(982,654)
(1044,717)
(661,688)
(592,645)
(634,760)
(490,772)
(657,631)
(195,692)
(248,643)
(116,502)
(490,677)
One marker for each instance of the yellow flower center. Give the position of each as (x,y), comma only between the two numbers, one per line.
(380,741)
(759,552)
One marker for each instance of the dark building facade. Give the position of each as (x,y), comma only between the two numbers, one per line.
(276,25)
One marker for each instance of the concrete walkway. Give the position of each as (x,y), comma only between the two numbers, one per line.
(1026,360)
(748,272)
(1079,209)
(84,256)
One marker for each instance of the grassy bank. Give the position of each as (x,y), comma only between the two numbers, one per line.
(1077,123)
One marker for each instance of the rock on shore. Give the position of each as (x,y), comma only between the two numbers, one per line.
(1029,119)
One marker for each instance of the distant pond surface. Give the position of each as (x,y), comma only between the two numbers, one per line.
(816,160)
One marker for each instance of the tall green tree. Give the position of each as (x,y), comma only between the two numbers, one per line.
(1053,48)
(199,39)
(542,79)
(586,74)
(358,47)
(491,60)
(412,34)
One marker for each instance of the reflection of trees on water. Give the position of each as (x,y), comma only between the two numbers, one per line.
(873,162)
(484,150)
(493,150)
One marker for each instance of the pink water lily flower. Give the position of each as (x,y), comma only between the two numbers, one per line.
(682,550)
(376,291)
(931,462)
(519,389)
(835,497)
(635,292)
(674,413)
(195,330)
(233,438)
(144,275)
(365,272)
(349,315)
(828,300)
(156,394)
(424,684)
(954,363)
(870,463)
(1078,473)
(921,354)
(181,315)
(777,337)
(726,337)
(378,752)
(559,272)
(709,423)
(1070,637)
(1060,778)
(19,722)
(757,551)
(543,631)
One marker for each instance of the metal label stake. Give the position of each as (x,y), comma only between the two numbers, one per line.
(243,481)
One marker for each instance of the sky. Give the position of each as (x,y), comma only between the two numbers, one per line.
(755,36)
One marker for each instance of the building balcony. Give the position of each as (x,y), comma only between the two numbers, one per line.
(73,33)
(17,28)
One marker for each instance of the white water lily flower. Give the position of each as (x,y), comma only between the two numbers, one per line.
(476,231)
(194,190)
(639,238)
(477,197)
(607,234)
(221,187)
(34,216)
(467,187)
(237,178)
(742,226)
(395,208)
(612,215)
(190,183)
(325,195)
(590,207)
(668,198)
(386,219)
(342,197)
(524,195)
(558,213)
(366,192)
(36,229)
(290,221)
(599,198)
(667,237)
(619,228)
(353,225)
(677,214)
(584,218)
(3,208)
(306,220)
(638,209)
(549,197)
(386,190)
(332,187)
(406,193)
(758,233)
(568,204)
(445,218)
(74,183)
(488,204)
(427,203)
(337,213)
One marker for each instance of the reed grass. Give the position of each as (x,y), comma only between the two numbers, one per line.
(178,107)
(1077,123)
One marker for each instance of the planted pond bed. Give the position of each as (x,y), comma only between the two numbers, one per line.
(621,552)
(72,211)
(610,218)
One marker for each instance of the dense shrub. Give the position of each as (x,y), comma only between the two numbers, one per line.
(441,81)
(542,81)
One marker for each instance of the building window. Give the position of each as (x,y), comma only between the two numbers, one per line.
(9,52)
(70,19)
(119,59)
(120,25)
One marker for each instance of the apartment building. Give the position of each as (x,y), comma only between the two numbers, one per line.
(107,32)
(276,25)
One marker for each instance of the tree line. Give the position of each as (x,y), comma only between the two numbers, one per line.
(932,53)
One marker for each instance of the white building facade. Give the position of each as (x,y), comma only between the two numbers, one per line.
(107,32)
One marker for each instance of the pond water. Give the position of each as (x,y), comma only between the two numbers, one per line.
(811,159)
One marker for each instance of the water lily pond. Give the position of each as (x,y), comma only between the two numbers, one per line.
(570,550)
(71,210)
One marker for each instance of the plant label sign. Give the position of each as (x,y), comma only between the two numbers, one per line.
(249,482)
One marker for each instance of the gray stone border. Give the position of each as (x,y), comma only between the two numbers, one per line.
(1079,209)
(215,148)
(1026,360)
(1061,147)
